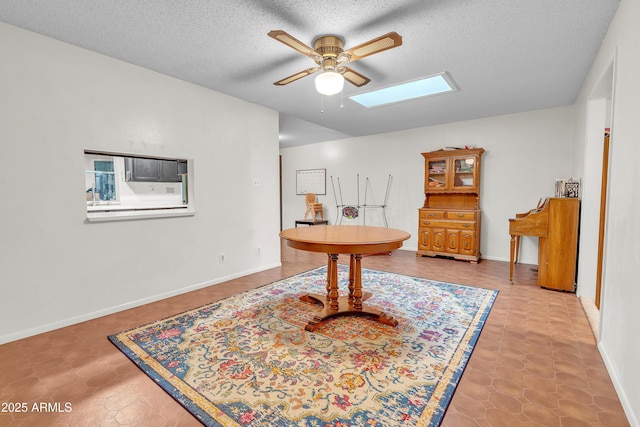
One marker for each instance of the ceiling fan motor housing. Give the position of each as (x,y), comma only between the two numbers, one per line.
(328,46)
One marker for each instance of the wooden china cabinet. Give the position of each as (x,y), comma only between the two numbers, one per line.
(449,220)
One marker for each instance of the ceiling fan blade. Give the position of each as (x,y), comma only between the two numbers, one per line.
(379,44)
(354,77)
(296,76)
(293,43)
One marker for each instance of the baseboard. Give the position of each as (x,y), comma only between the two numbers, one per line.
(593,315)
(632,417)
(132,304)
(489,257)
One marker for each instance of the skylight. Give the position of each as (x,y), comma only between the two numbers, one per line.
(428,86)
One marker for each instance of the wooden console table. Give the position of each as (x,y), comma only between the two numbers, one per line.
(356,241)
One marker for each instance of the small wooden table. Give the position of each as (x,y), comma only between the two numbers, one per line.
(311,222)
(356,241)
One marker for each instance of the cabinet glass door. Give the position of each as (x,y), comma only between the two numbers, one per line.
(437,173)
(464,172)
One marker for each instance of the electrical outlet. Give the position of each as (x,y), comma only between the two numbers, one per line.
(222,258)
(259,251)
(257,182)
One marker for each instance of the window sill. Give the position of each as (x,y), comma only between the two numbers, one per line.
(138,213)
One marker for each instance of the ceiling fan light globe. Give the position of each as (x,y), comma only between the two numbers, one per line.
(329,83)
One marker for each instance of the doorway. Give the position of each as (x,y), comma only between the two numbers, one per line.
(594,195)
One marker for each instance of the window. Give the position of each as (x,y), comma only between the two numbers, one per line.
(101,182)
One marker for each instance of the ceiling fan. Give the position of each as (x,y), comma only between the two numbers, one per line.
(330,58)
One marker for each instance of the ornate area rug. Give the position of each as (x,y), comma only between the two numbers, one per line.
(248,361)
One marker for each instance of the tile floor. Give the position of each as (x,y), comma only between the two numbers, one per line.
(535,364)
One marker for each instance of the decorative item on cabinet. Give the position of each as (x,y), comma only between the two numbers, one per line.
(449,220)
(568,187)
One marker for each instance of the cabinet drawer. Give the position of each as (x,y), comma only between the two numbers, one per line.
(456,225)
(461,225)
(431,214)
(461,215)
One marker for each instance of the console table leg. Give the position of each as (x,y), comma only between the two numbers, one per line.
(511,257)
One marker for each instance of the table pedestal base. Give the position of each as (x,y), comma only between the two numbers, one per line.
(345,308)
(334,305)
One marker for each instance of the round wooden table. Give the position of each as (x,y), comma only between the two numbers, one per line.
(355,240)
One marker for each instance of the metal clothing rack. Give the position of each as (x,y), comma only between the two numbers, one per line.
(353,211)
(382,206)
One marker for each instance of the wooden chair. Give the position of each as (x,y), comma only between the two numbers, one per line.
(313,207)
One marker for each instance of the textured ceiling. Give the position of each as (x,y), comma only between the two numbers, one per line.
(505,56)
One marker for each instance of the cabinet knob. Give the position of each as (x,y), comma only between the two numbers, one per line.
(466,225)
(432,214)
(427,222)
(460,215)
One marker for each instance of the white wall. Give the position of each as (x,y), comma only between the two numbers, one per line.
(620,302)
(58,100)
(524,155)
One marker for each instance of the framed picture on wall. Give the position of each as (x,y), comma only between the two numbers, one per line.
(311,181)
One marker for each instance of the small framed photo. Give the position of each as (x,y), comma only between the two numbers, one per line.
(568,187)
